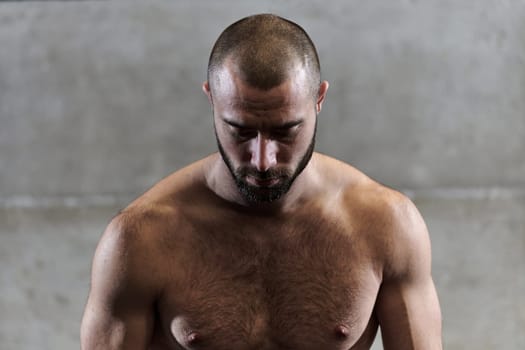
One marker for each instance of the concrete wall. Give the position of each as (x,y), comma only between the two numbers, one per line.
(99,100)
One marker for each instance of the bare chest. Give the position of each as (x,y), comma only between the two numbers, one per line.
(312,287)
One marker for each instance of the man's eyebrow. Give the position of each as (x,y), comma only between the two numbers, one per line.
(287,125)
(290,124)
(232,123)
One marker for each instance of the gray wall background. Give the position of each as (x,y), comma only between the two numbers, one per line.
(99,100)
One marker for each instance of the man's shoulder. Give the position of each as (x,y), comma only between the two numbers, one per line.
(161,211)
(391,223)
(190,180)
(388,212)
(138,229)
(360,189)
(385,218)
(165,200)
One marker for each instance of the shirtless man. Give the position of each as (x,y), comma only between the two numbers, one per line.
(266,244)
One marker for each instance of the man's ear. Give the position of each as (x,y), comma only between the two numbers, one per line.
(207,91)
(323,88)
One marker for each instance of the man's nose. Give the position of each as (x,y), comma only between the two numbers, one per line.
(264,153)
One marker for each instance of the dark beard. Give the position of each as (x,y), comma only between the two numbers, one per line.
(255,194)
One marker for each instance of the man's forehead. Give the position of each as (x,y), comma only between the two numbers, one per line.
(261,102)
(236,92)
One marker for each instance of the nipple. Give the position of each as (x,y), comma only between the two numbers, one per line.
(342,332)
(183,333)
(192,338)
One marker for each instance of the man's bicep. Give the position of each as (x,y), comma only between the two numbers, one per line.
(407,306)
(409,316)
(119,311)
(102,328)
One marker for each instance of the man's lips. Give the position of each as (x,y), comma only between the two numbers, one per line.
(252,180)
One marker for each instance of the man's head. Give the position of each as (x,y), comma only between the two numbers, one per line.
(264,86)
(265,47)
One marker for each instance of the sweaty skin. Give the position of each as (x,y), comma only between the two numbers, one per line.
(195,264)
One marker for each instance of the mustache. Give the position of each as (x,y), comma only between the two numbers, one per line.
(262,175)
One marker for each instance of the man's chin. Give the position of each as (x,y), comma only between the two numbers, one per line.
(262,194)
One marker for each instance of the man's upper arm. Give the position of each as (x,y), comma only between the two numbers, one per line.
(119,312)
(407,306)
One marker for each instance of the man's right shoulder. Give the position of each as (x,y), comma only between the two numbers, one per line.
(136,244)
(189,181)
(163,212)
(143,224)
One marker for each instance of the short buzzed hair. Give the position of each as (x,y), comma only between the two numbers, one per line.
(265,48)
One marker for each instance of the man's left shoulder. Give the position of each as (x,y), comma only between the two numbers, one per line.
(392,207)
(369,199)
(388,213)
(399,231)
